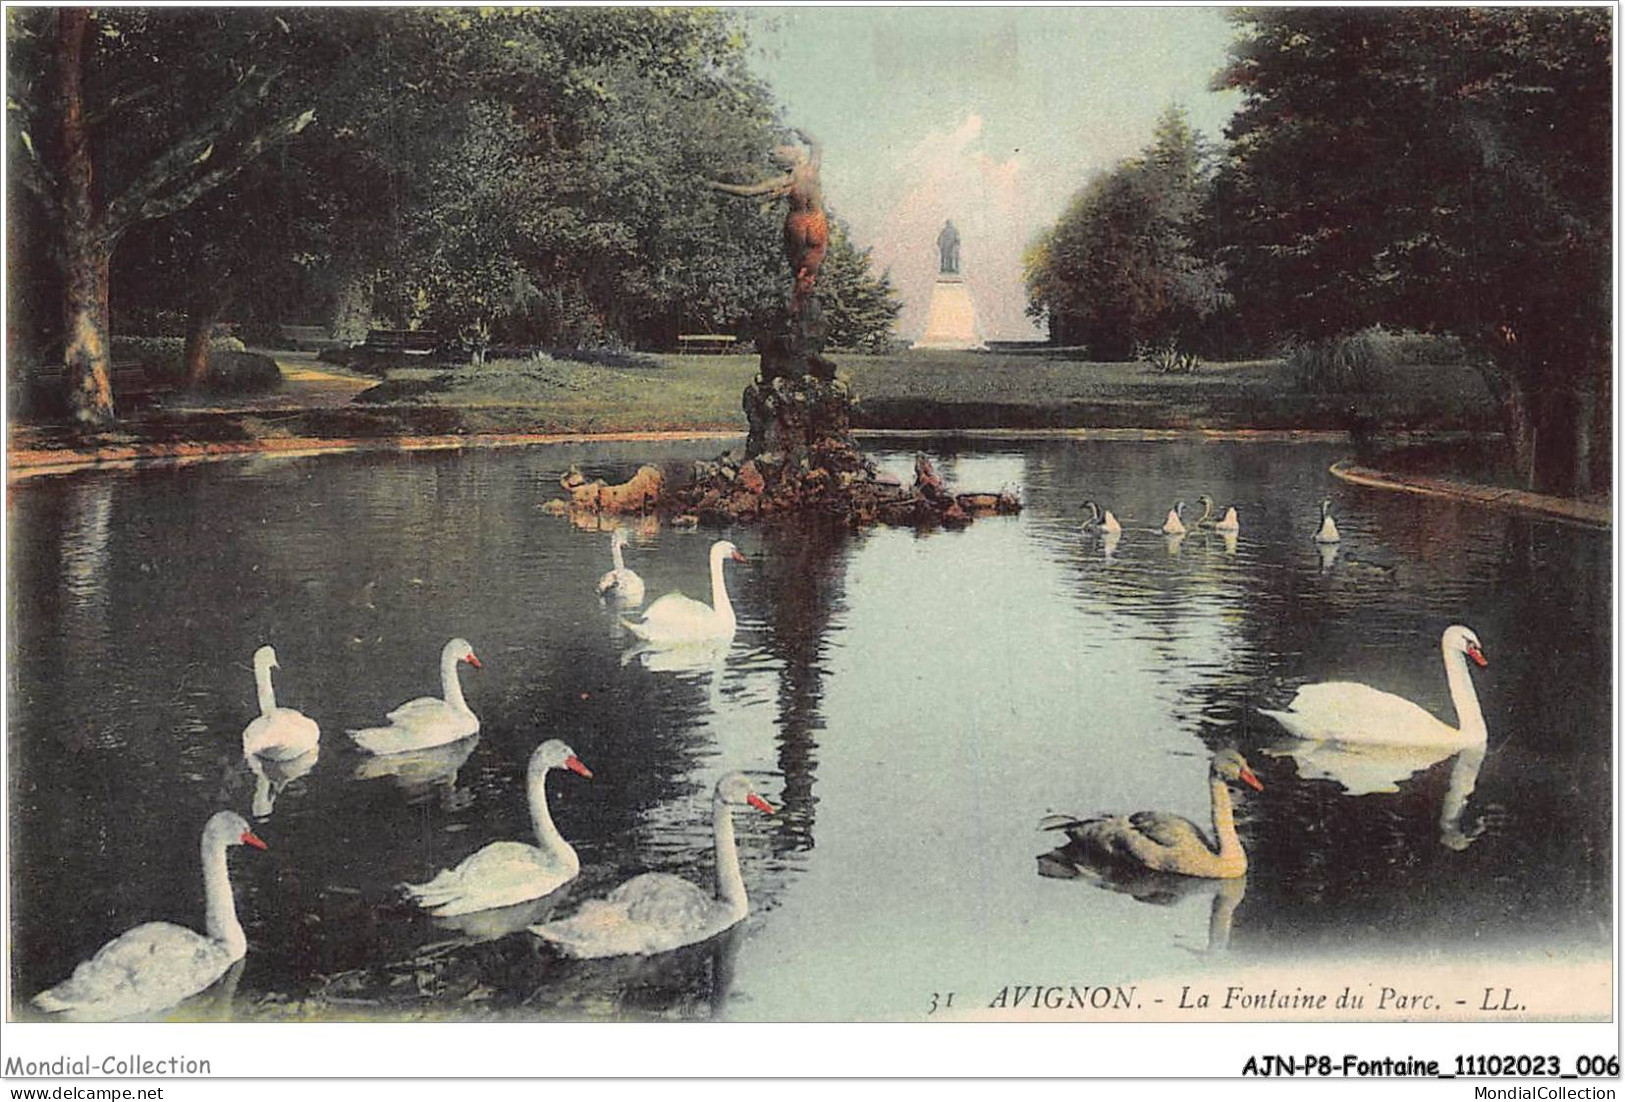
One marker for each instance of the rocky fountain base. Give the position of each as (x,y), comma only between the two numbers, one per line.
(800,457)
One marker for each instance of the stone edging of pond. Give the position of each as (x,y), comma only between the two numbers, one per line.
(29,462)
(26,462)
(1591,514)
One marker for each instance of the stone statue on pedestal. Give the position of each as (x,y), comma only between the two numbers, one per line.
(948,249)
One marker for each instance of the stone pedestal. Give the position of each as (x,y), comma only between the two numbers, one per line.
(951,321)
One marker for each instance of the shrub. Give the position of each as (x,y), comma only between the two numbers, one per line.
(232,369)
(1337,364)
(1167,358)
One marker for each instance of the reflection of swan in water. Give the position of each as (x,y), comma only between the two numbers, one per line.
(1362,769)
(1347,711)
(1359,768)
(708,656)
(1072,862)
(1108,543)
(1229,536)
(1161,842)
(1463,779)
(420,773)
(496,922)
(1328,555)
(690,983)
(1173,541)
(271,776)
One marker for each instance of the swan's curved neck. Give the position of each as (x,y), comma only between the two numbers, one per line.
(719,589)
(451,686)
(1469,717)
(547,835)
(730,881)
(1224,823)
(262,682)
(615,555)
(220,910)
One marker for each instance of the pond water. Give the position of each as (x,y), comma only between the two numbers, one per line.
(914,703)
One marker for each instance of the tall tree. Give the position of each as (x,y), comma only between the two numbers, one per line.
(1443,169)
(105,139)
(1121,266)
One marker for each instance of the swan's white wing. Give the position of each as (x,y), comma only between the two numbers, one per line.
(143,970)
(648,914)
(281,736)
(1347,711)
(501,874)
(424,708)
(674,608)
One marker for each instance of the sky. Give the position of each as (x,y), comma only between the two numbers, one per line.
(993,117)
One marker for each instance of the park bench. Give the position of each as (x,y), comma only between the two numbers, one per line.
(309,338)
(133,384)
(695,344)
(400,342)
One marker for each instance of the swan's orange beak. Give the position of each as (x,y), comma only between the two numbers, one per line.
(760,804)
(1248,778)
(1477,655)
(472,661)
(737,557)
(573,764)
(252,839)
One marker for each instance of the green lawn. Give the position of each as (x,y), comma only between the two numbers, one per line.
(941,390)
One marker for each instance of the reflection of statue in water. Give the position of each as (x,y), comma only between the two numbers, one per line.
(948,248)
(806,227)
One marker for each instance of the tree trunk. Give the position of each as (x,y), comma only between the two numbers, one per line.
(1521,429)
(1585,415)
(86,251)
(195,357)
(1500,372)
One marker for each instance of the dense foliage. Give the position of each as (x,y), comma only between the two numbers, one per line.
(1442,169)
(1122,269)
(1435,170)
(497,175)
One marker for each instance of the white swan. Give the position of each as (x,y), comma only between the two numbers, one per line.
(1161,842)
(1347,711)
(1173,526)
(679,619)
(1327,532)
(657,912)
(504,873)
(1206,519)
(620,583)
(1101,519)
(428,720)
(277,734)
(156,965)
(1229,522)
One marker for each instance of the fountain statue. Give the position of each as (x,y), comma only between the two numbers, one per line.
(800,454)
